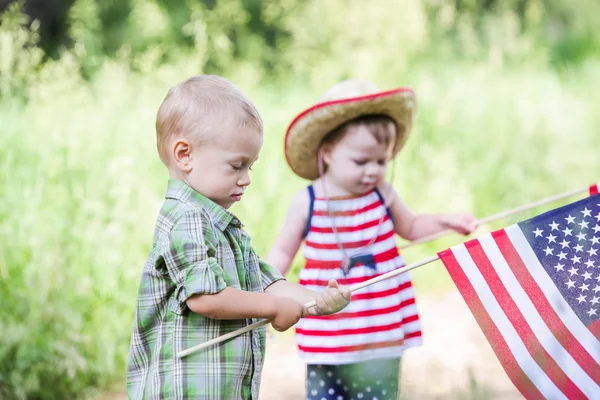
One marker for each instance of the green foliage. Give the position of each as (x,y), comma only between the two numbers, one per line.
(506,115)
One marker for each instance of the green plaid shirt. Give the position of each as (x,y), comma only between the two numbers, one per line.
(199,248)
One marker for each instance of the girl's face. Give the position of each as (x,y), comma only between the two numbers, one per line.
(356,163)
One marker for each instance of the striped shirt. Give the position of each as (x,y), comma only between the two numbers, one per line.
(381,320)
(199,248)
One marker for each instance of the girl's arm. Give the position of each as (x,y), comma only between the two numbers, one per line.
(289,239)
(412,226)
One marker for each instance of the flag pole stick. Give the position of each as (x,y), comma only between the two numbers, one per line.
(503,214)
(310,304)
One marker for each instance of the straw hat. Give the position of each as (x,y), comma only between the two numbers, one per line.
(342,103)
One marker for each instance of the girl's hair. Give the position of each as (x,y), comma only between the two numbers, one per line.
(381,127)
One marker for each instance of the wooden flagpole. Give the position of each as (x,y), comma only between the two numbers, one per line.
(500,215)
(310,304)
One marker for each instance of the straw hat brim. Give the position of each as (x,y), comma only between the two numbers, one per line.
(309,128)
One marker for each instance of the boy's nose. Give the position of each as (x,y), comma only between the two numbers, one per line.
(244,180)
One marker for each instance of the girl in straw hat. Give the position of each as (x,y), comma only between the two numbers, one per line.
(347,219)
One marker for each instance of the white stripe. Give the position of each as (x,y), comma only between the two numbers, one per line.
(357,322)
(350,237)
(540,330)
(336,254)
(324,221)
(514,342)
(349,340)
(361,271)
(375,288)
(357,356)
(343,204)
(553,295)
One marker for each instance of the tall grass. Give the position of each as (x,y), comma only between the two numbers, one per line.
(81,186)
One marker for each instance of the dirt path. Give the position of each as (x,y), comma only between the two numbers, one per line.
(455,362)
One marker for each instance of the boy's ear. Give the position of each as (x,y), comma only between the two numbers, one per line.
(182,155)
(325,153)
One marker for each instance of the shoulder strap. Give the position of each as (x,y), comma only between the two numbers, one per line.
(387,209)
(311,205)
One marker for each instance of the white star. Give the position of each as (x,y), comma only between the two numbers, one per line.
(592,252)
(562,256)
(595,240)
(573,271)
(589,263)
(570,220)
(554,225)
(564,243)
(595,300)
(578,248)
(584,287)
(596,228)
(581,236)
(598,217)
(581,298)
(576,260)
(548,250)
(559,267)
(551,238)
(591,312)
(567,231)
(597,289)
(583,224)
(586,212)
(538,232)
(570,284)
(587,275)
(598,279)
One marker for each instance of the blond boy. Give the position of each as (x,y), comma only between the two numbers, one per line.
(203,279)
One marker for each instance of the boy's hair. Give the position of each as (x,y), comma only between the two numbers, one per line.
(382,128)
(199,105)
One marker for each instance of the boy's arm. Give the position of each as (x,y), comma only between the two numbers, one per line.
(411,227)
(289,239)
(232,303)
(329,301)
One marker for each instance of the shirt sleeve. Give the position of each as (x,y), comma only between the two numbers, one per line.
(269,274)
(190,267)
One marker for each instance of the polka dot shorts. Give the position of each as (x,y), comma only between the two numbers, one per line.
(371,380)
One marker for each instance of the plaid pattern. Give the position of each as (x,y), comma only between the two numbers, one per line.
(198,248)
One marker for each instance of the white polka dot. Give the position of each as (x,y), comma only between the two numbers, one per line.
(383,392)
(312,374)
(331,391)
(345,388)
(360,395)
(323,398)
(314,392)
(354,385)
(368,388)
(322,383)
(339,381)
(378,382)
(375,398)
(340,398)
(329,374)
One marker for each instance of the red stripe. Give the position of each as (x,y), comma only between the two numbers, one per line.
(343,229)
(595,328)
(594,189)
(345,349)
(412,318)
(349,245)
(383,293)
(542,305)
(520,323)
(352,331)
(491,332)
(365,313)
(319,264)
(348,213)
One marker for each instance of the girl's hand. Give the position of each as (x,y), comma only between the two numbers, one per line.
(331,300)
(461,223)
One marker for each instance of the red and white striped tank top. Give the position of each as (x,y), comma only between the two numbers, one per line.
(381,321)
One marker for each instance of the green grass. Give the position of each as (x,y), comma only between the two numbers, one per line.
(82,185)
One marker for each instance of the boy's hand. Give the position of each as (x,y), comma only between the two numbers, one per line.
(461,223)
(331,300)
(288,313)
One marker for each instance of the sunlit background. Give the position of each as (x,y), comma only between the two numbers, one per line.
(508,94)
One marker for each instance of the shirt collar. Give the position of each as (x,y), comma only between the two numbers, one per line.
(179,190)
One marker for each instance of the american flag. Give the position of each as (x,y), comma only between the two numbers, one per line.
(594,188)
(534,289)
